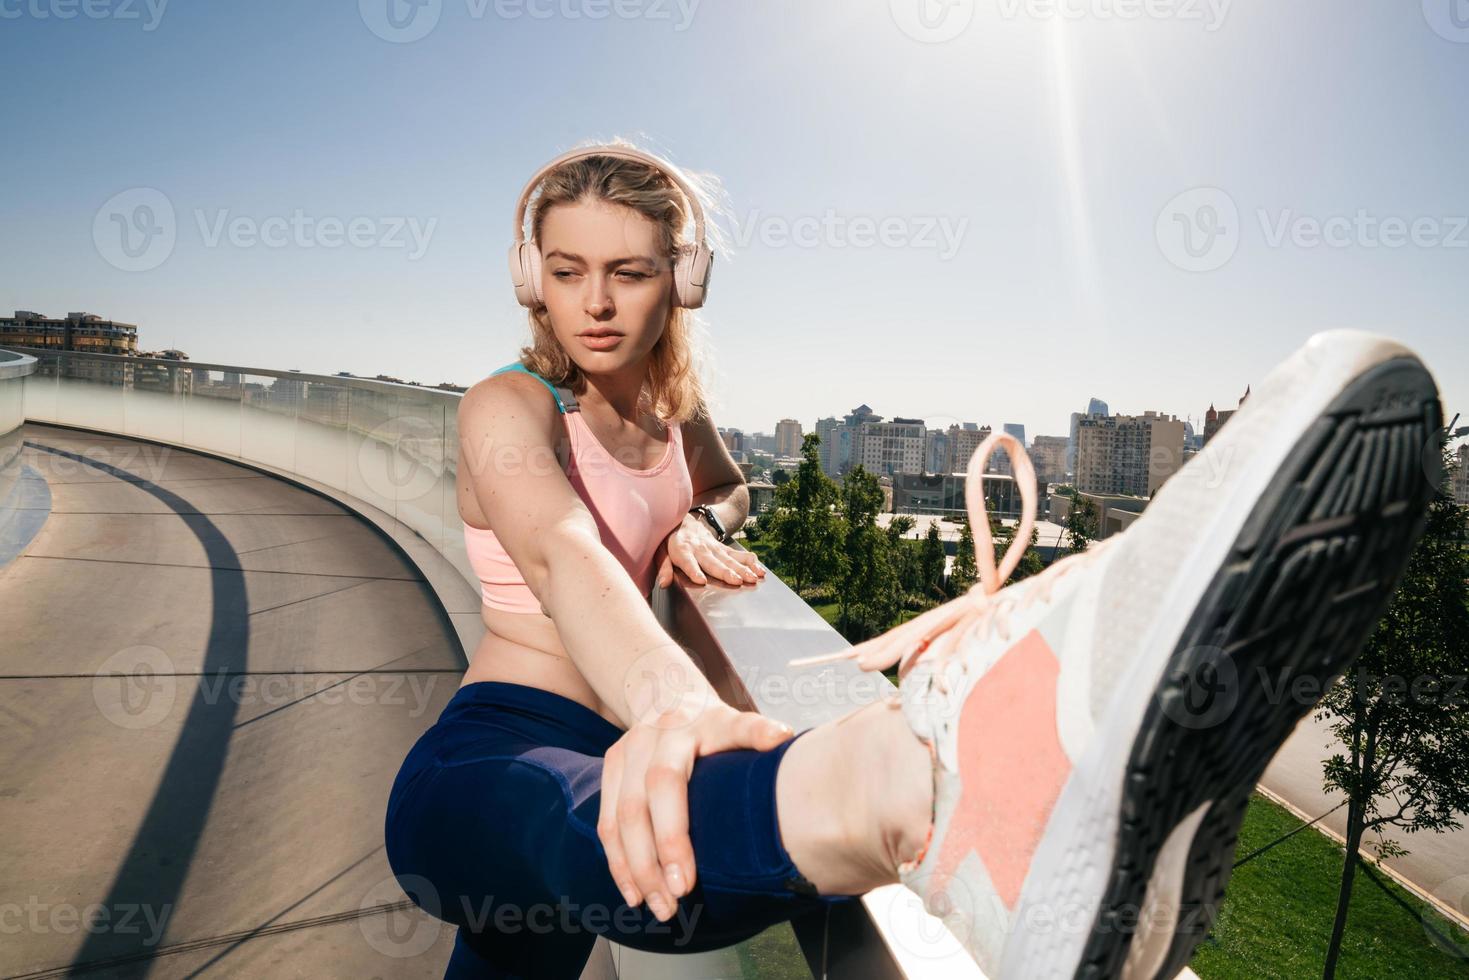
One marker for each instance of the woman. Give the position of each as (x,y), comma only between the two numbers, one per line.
(585,779)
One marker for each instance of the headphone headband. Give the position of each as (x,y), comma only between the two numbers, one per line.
(692,262)
(624,153)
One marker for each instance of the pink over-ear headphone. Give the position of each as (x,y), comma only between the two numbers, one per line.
(691,266)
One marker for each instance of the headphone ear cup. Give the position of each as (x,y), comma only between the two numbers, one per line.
(525,273)
(691,275)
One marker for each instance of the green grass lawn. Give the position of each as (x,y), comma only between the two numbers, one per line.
(1278,909)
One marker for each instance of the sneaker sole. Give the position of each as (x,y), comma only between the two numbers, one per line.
(1303,586)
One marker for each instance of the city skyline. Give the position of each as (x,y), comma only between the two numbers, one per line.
(1117,211)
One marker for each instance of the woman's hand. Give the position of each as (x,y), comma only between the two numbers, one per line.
(644,818)
(693,547)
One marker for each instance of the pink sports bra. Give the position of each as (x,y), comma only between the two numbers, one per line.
(635,510)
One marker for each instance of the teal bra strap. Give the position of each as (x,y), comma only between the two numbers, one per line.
(565,400)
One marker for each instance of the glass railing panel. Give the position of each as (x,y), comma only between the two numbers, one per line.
(268,419)
(90,391)
(154,405)
(212,412)
(321,445)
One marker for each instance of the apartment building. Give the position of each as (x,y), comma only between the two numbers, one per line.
(1128,454)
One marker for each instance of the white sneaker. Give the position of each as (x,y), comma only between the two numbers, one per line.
(1098,728)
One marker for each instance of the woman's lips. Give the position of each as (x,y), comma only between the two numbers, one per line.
(605,341)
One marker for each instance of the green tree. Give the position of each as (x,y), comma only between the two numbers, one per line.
(1081,522)
(931,563)
(868,590)
(802,524)
(781,477)
(964,573)
(904,557)
(1030,561)
(1400,710)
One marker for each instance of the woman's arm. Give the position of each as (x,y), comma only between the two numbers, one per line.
(507,431)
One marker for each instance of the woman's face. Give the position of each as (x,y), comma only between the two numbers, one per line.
(603,273)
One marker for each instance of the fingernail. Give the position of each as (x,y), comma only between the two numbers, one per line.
(629,895)
(675,880)
(659,905)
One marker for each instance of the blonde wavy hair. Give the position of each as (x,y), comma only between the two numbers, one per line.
(673,391)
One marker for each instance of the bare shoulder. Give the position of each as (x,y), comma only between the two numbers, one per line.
(512,404)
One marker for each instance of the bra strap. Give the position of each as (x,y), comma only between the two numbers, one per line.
(565,400)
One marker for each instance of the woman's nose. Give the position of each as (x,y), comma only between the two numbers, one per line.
(599,298)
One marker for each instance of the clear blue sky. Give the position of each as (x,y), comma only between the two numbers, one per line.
(1053,145)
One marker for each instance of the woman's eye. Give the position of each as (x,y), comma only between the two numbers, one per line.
(633,275)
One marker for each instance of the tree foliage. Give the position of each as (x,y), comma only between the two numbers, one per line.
(1082,522)
(1402,710)
(802,524)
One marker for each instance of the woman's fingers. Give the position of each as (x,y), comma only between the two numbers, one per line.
(607,830)
(635,824)
(668,804)
(749,559)
(744,730)
(714,561)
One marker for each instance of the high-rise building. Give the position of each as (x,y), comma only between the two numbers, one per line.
(890,447)
(826,430)
(1048,453)
(963,441)
(1131,454)
(82,332)
(935,450)
(845,439)
(733,439)
(788,438)
(1095,408)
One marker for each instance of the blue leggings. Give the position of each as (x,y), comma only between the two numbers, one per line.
(491,826)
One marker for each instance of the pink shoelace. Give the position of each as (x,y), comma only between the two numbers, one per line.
(939,628)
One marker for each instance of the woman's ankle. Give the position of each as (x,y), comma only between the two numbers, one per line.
(855,800)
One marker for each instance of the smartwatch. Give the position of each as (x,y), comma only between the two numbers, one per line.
(707,512)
